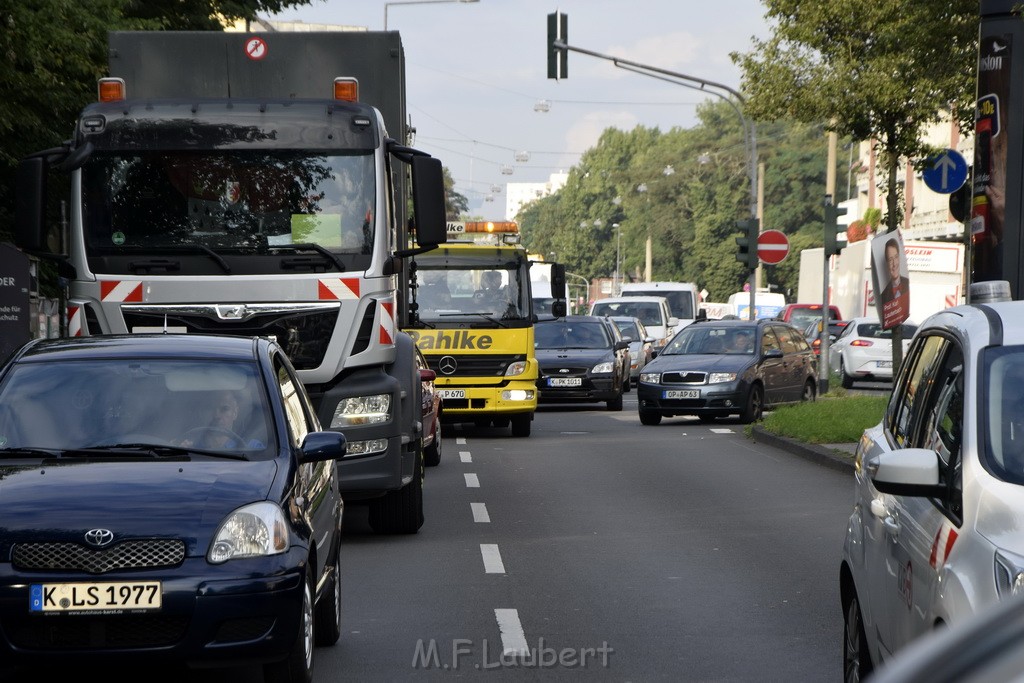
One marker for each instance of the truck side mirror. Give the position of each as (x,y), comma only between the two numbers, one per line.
(559,308)
(557,277)
(428,201)
(30,205)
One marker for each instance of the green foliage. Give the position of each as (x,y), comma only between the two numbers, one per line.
(870,69)
(690,211)
(456,204)
(827,420)
(53,51)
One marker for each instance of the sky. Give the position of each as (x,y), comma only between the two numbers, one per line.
(476,72)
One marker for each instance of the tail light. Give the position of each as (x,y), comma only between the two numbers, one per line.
(862,342)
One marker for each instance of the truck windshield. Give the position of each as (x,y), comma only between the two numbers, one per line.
(498,292)
(228,200)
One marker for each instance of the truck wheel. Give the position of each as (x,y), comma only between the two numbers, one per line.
(401,511)
(432,453)
(650,418)
(521,424)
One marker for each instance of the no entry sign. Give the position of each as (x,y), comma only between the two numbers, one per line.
(772,247)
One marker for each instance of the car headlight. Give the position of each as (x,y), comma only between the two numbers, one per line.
(603,368)
(650,377)
(255,530)
(360,410)
(1009,574)
(516,368)
(716,377)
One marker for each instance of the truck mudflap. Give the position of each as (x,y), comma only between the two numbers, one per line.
(383,465)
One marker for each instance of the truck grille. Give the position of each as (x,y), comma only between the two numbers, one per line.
(475,366)
(140,554)
(304,335)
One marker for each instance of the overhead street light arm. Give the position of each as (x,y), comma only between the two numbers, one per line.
(749,131)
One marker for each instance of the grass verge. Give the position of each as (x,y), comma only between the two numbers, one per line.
(830,419)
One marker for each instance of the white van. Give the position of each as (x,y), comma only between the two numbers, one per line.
(766,304)
(683,299)
(652,311)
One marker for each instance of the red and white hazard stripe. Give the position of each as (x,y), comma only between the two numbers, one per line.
(116,291)
(942,546)
(338,288)
(386,315)
(74,321)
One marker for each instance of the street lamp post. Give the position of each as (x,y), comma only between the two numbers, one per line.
(415,2)
(618,273)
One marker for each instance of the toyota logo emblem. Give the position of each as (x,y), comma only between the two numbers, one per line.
(99,537)
(447,365)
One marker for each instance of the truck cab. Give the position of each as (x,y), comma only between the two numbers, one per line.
(471,314)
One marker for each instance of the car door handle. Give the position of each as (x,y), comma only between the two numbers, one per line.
(892,526)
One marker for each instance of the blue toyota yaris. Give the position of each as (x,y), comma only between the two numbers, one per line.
(165,497)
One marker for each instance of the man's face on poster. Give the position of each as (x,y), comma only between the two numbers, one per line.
(892,259)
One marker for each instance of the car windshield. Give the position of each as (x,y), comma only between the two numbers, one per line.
(800,317)
(628,330)
(1002,400)
(81,404)
(571,335)
(648,312)
(707,339)
(680,302)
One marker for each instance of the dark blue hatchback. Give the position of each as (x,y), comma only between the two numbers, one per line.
(165,497)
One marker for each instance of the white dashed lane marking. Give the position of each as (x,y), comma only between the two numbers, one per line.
(472,481)
(492,558)
(460,440)
(513,639)
(722,430)
(480,513)
(464,456)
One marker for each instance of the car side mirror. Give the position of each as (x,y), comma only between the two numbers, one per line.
(673,321)
(649,339)
(427,375)
(773,353)
(320,446)
(906,472)
(622,344)
(559,308)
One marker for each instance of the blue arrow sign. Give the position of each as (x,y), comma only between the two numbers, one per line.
(945,172)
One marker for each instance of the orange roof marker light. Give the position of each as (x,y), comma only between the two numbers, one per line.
(346,89)
(507,231)
(111,90)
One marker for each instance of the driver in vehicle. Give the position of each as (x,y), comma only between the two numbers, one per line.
(220,433)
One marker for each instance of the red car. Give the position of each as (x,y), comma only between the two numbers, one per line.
(799,315)
(431,413)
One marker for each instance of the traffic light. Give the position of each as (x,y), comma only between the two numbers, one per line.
(833,245)
(747,243)
(558,59)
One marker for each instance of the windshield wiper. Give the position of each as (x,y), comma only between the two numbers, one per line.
(154,450)
(486,316)
(195,246)
(323,251)
(37,452)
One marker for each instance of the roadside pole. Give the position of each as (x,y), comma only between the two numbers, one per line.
(830,193)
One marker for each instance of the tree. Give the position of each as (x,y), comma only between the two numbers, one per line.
(456,205)
(53,51)
(867,69)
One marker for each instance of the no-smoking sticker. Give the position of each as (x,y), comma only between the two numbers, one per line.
(255,48)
